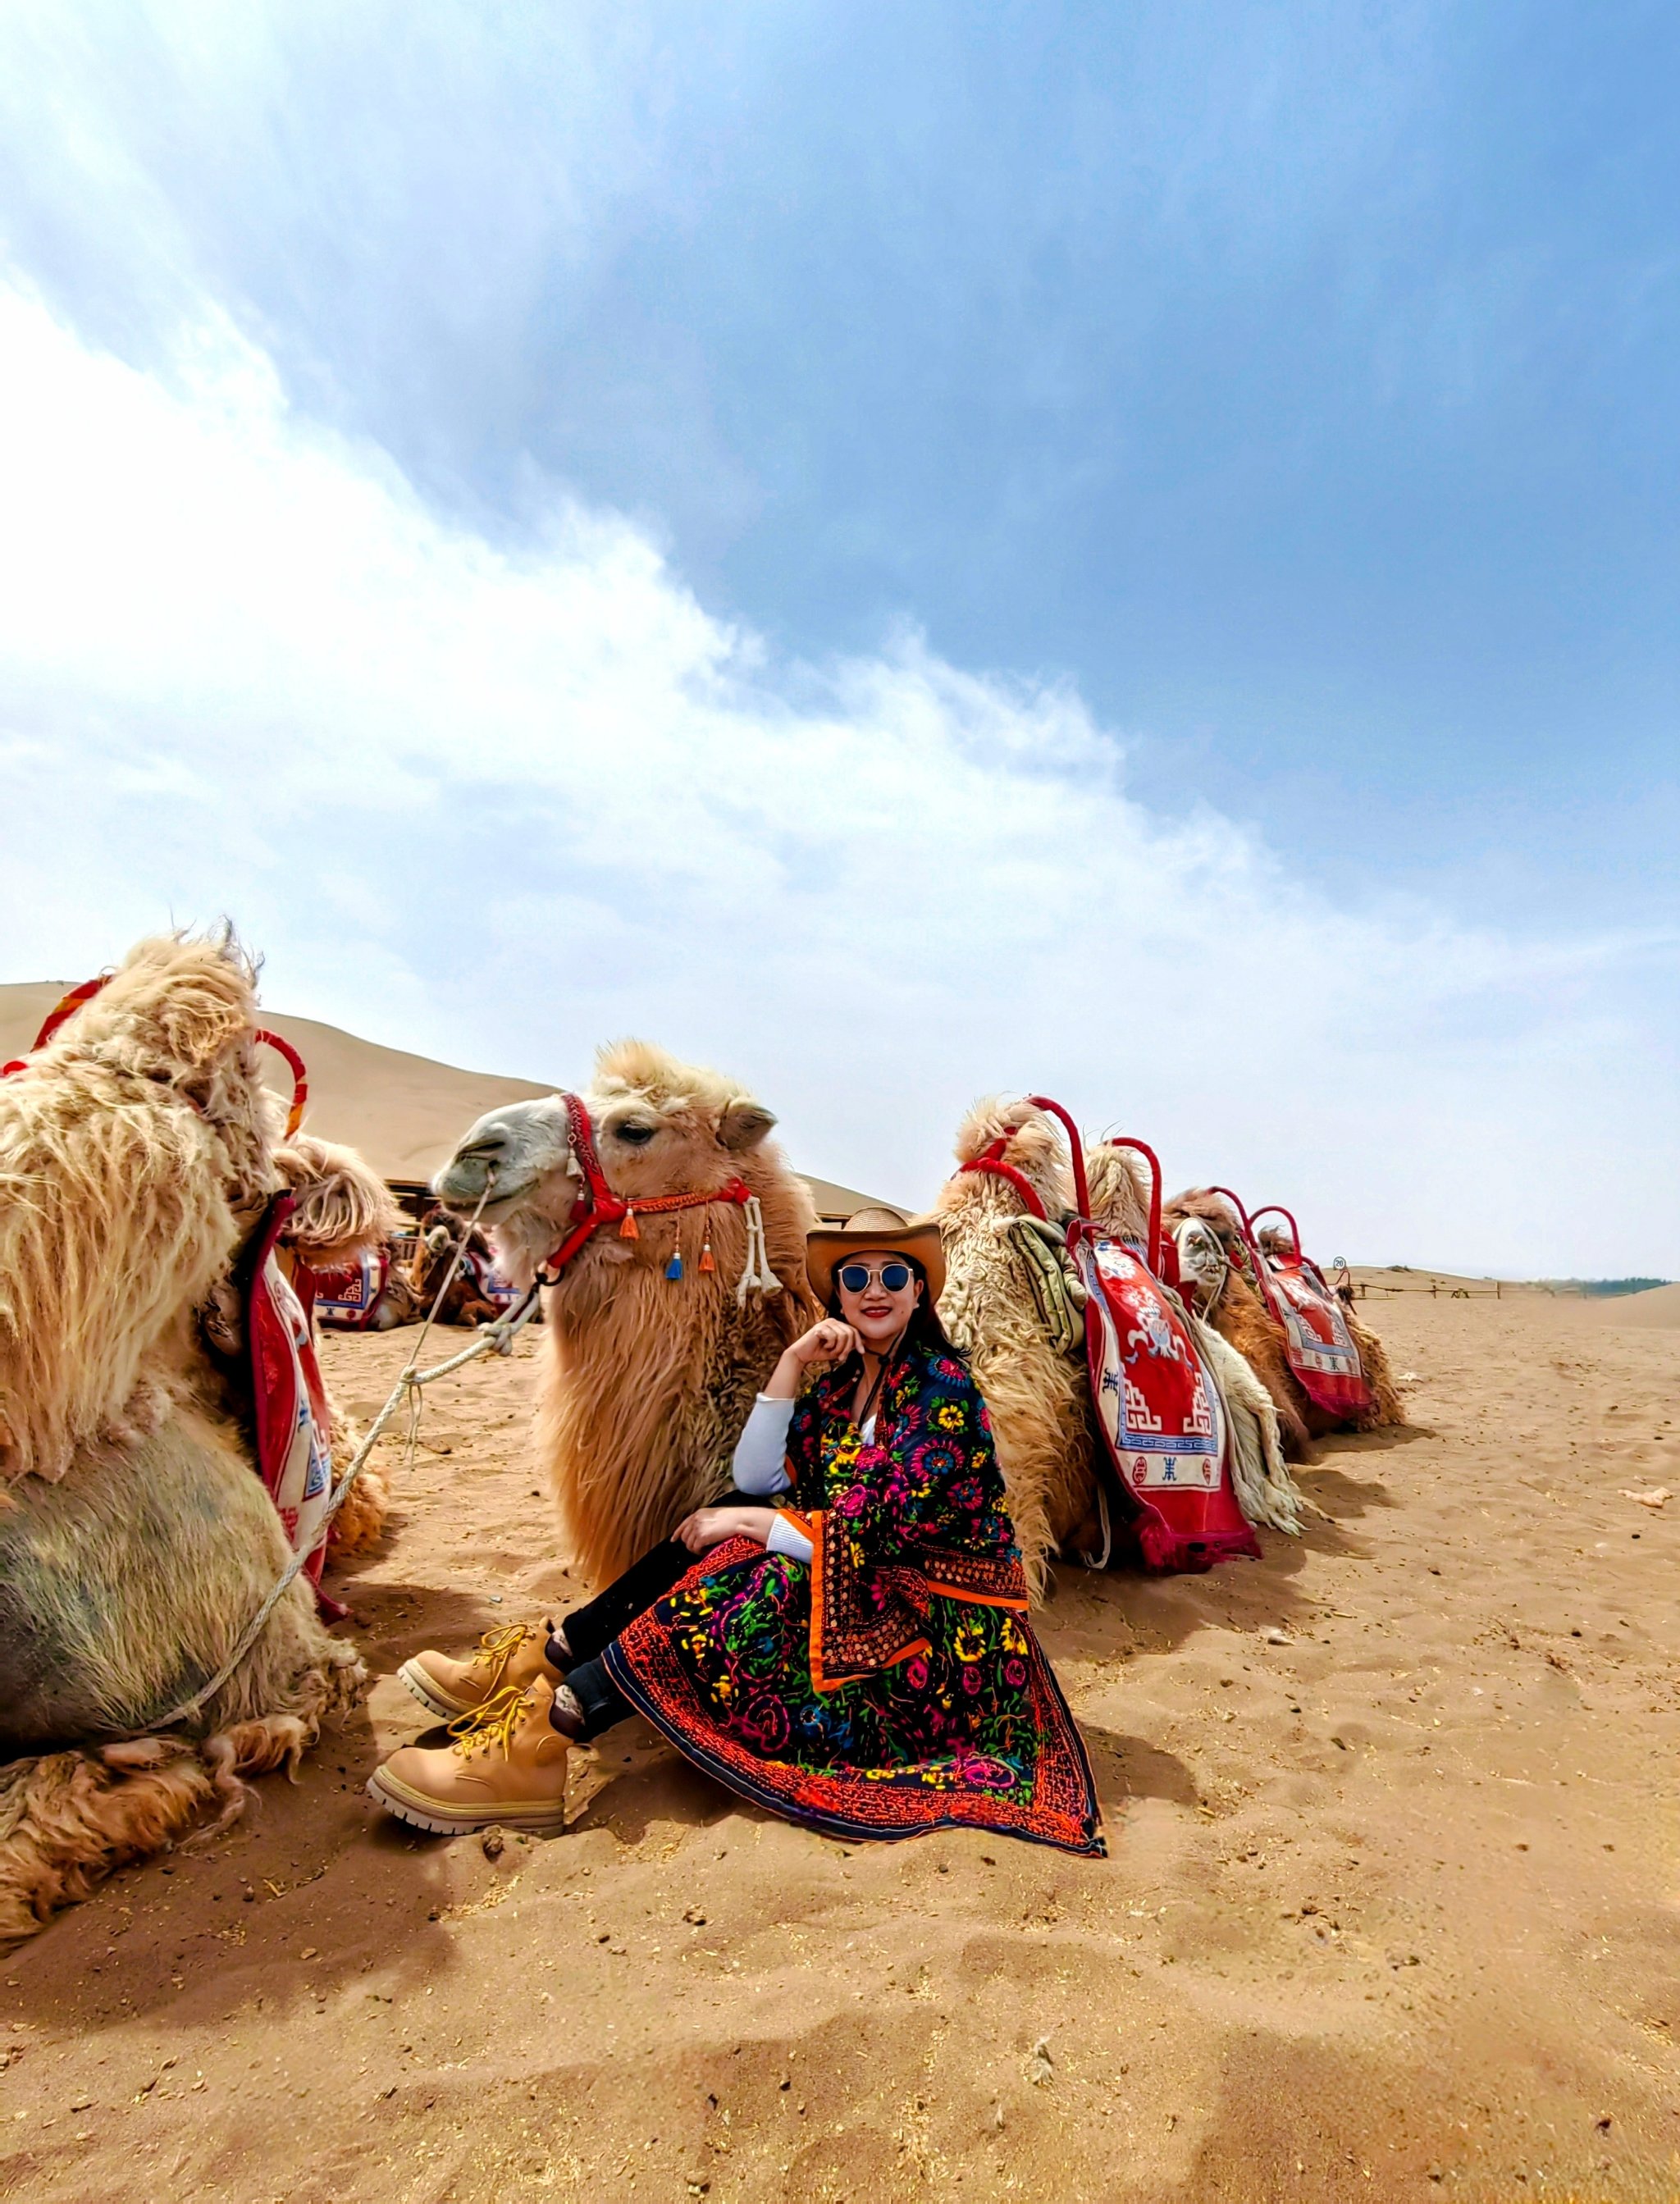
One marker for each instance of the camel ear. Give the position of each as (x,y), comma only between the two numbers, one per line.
(743,1124)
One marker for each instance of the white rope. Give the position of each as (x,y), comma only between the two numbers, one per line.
(756,1272)
(498,1336)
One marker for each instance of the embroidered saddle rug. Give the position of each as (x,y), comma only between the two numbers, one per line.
(1317,1343)
(294,1425)
(1163,1423)
(347,1299)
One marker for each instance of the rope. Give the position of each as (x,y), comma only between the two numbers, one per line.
(499,1335)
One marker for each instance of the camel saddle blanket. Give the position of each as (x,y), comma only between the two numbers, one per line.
(294,1425)
(1316,1340)
(346,1298)
(491,1285)
(1164,1429)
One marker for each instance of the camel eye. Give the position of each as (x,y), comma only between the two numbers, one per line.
(635,1132)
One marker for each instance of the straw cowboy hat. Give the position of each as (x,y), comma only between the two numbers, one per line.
(830,1245)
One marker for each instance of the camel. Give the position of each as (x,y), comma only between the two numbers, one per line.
(136,1544)
(1013,1305)
(1216,1259)
(465,1300)
(1027,1357)
(654,1351)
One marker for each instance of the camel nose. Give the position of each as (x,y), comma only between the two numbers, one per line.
(468,1170)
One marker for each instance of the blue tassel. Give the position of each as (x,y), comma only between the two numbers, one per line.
(674,1268)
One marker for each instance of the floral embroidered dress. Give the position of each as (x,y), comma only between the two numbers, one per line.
(893,1684)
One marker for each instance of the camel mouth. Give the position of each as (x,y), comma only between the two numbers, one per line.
(464,1179)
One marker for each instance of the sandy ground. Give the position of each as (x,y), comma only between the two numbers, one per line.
(1389,1912)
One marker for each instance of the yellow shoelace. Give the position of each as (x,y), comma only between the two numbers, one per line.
(492,1725)
(498,1647)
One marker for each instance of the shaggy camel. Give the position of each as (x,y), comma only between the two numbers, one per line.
(649,1376)
(1032,1381)
(135,1542)
(1222,1273)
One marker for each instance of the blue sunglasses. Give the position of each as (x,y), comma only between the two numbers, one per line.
(856,1276)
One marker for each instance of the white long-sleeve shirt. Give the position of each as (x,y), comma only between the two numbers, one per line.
(761,1468)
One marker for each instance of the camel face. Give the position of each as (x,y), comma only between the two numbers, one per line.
(528,1146)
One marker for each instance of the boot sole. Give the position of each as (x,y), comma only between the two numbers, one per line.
(415,1680)
(548,1821)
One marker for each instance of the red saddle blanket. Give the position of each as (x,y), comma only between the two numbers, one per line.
(294,1425)
(346,1298)
(1316,1340)
(1162,1420)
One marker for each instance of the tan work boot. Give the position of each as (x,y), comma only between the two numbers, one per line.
(516,1654)
(506,1765)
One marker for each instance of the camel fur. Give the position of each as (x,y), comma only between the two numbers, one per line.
(1035,1389)
(135,1540)
(1121,1196)
(647,1379)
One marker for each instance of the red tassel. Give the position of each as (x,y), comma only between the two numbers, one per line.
(629,1229)
(706,1262)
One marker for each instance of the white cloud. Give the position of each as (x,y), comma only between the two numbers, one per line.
(498,807)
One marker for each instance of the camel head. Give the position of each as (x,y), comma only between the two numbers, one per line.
(1203,1265)
(1213,1209)
(659,1126)
(144,1139)
(343,1209)
(1033,1144)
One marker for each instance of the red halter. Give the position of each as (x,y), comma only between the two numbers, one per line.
(73,1002)
(606,1207)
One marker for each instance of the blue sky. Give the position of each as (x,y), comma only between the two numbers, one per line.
(1249,429)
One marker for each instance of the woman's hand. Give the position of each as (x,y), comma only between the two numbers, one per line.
(710,1526)
(830,1341)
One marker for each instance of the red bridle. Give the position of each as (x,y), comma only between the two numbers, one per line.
(89,988)
(603,1207)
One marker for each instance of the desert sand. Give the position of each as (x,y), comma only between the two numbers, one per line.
(1389,1909)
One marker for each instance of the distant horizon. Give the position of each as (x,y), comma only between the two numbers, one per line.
(1599,1285)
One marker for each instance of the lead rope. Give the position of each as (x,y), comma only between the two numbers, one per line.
(499,1336)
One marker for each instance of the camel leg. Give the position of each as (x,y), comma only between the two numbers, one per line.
(68,1819)
(360,1524)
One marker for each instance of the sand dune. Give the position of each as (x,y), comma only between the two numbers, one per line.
(1658,1307)
(404,1112)
(1388,1914)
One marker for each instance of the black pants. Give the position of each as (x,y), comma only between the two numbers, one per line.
(591,1628)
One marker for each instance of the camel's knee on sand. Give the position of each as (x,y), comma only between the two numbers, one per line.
(68,1819)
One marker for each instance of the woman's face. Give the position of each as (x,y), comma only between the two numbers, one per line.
(879,1305)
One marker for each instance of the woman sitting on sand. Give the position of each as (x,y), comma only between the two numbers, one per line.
(856,1657)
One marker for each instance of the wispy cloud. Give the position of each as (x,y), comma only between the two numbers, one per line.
(501,805)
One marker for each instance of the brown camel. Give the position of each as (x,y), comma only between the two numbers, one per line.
(136,1544)
(649,1376)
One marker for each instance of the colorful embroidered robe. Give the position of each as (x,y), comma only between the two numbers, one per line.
(891,1684)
